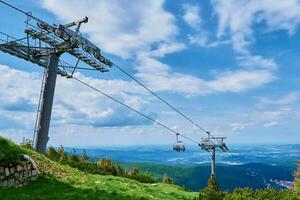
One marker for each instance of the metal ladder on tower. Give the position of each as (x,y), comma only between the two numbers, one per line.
(38,114)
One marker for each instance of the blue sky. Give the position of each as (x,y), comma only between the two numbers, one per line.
(232,66)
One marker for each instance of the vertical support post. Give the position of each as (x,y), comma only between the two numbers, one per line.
(47,102)
(213,161)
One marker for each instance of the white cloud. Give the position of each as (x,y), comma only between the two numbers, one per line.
(74,103)
(201,39)
(286,100)
(80,115)
(238,17)
(238,126)
(271,115)
(159,77)
(122,28)
(193,19)
(270,124)
(252,61)
(167,48)
(10,82)
(236,20)
(236,81)
(191,15)
(266,118)
(127,29)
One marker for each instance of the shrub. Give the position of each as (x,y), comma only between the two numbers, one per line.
(135,171)
(262,194)
(88,167)
(73,157)
(62,154)
(141,177)
(52,153)
(27,143)
(211,194)
(108,166)
(240,193)
(104,166)
(84,157)
(121,171)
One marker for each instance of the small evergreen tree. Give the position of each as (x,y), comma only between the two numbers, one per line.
(121,171)
(212,191)
(52,153)
(62,154)
(74,157)
(135,171)
(84,156)
(167,179)
(212,183)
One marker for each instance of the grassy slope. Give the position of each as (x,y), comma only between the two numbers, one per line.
(63,182)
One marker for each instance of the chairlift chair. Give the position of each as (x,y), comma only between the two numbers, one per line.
(179,145)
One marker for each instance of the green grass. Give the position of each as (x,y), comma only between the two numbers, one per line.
(9,152)
(63,182)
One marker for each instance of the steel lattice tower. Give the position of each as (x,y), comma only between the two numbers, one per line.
(44,44)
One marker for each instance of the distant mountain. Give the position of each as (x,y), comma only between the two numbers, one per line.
(238,154)
(255,166)
(254,175)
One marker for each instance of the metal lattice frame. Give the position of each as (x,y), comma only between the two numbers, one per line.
(211,144)
(43,45)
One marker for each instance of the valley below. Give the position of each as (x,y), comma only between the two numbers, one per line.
(253,166)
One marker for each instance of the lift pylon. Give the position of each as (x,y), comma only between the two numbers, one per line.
(211,144)
(43,45)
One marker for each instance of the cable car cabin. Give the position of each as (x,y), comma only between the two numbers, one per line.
(179,146)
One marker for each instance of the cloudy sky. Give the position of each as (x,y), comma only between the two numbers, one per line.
(232,66)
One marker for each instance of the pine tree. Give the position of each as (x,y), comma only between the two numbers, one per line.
(167,179)
(212,191)
(74,157)
(135,171)
(62,154)
(212,183)
(52,153)
(84,156)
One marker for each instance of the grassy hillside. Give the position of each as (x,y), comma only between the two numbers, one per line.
(63,182)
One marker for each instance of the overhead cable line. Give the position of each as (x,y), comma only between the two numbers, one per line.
(160,98)
(136,111)
(133,78)
(18,9)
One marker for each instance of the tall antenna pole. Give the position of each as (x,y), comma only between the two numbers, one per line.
(47,103)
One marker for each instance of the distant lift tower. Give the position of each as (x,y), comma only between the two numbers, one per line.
(44,45)
(210,144)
